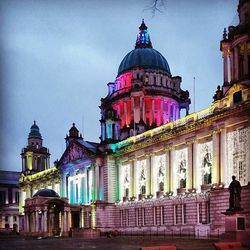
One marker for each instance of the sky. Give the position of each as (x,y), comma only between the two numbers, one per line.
(57,56)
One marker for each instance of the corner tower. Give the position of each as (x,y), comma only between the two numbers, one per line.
(144,95)
(35,157)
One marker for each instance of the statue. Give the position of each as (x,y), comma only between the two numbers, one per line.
(234,199)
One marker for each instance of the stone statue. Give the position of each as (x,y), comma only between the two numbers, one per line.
(235,191)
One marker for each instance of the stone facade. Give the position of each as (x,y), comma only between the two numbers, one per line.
(152,170)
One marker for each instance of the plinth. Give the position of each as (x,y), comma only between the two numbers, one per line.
(235,226)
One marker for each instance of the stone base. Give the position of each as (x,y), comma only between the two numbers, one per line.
(85,233)
(235,226)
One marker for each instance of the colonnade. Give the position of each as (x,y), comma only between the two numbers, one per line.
(235,61)
(83,186)
(193,173)
(158,110)
(42,221)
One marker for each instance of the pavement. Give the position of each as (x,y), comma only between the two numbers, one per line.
(114,243)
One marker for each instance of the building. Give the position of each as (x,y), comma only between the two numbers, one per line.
(9,199)
(152,169)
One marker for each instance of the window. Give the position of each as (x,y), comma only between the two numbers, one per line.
(6,218)
(138,76)
(237,97)
(241,171)
(176,214)
(184,214)
(161,80)
(208,212)
(154,79)
(2,197)
(16,197)
(14,218)
(199,213)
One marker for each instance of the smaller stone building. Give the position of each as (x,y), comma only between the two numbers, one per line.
(9,198)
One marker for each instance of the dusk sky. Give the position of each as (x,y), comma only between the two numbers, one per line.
(58,55)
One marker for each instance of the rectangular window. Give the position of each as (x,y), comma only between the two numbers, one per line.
(208,212)
(14,218)
(143,216)
(176,214)
(2,197)
(17,197)
(137,217)
(184,214)
(199,213)
(6,218)
(163,215)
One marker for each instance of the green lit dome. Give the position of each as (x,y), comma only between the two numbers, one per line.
(34,131)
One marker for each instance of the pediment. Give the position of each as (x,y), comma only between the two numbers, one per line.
(75,151)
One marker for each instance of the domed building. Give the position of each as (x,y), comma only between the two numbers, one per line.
(152,169)
(144,95)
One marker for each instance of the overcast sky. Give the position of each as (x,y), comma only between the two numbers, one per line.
(58,56)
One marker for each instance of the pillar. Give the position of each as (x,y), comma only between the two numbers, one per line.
(195,183)
(216,158)
(225,64)
(125,112)
(141,107)
(245,59)
(65,229)
(132,187)
(132,108)
(153,110)
(223,148)
(135,180)
(149,176)
(27,228)
(45,219)
(162,101)
(85,186)
(36,221)
(231,57)
(236,63)
(69,221)
(97,183)
(152,190)
(172,174)
(189,181)
(82,217)
(167,180)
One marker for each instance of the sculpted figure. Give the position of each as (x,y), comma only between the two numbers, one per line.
(235,191)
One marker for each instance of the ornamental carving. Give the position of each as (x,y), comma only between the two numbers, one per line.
(73,153)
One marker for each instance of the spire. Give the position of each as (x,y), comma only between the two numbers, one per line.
(143,39)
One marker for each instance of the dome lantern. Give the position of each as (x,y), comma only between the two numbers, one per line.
(143,38)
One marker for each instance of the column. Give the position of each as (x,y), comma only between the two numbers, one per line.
(236,63)
(141,107)
(152,190)
(195,185)
(132,187)
(97,184)
(167,186)
(231,57)
(69,220)
(216,158)
(27,228)
(64,221)
(172,174)
(148,166)
(63,186)
(85,186)
(245,59)
(132,108)
(190,167)
(225,59)
(223,167)
(169,109)
(153,110)
(45,219)
(82,217)
(161,111)
(36,221)
(135,180)
(125,112)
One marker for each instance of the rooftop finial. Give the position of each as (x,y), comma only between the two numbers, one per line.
(34,122)
(143,39)
(225,34)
